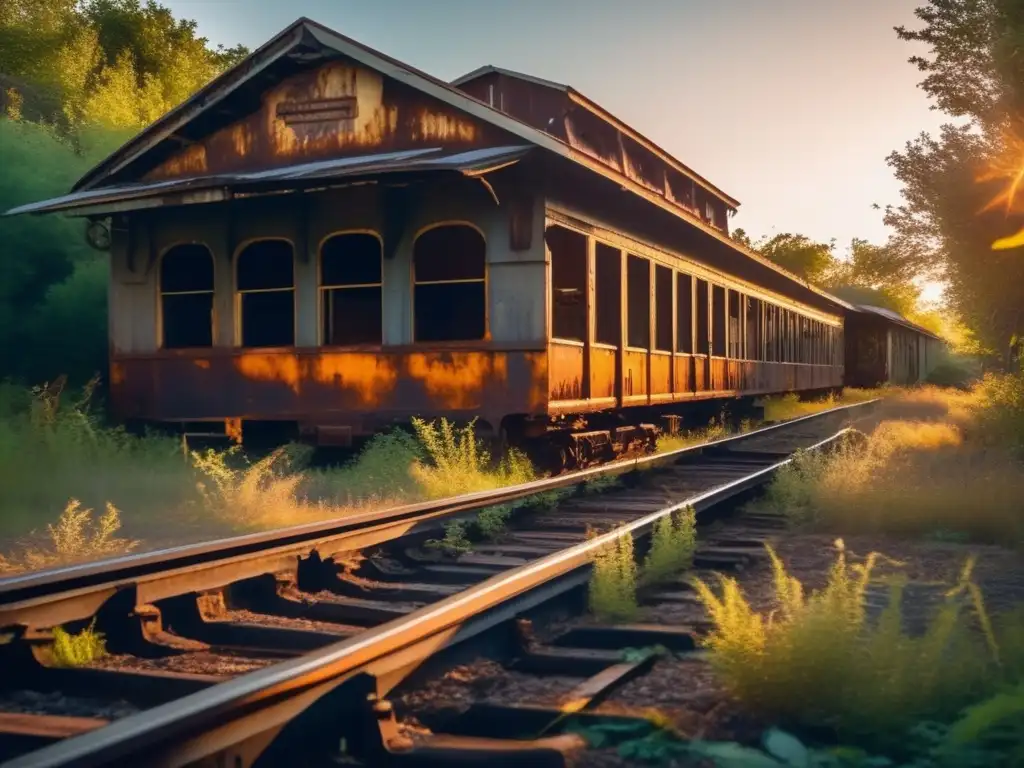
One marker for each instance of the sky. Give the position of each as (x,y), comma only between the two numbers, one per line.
(790,106)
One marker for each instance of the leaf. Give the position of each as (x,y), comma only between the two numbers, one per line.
(729,754)
(785,747)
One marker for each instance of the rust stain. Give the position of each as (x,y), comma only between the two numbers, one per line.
(270,367)
(190,161)
(370,377)
(233,430)
(200,363)
(116,374)
(538,363)
(378,114)
(456,380)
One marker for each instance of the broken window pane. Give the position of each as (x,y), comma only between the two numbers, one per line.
(449,295)
(350,289)
(266,294)
(703,319)
(638,308)
(568,283)
(608,294)
(684,313)
(718,318)
(186,296)
(663,308)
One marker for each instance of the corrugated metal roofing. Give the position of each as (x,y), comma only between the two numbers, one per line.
(431,159)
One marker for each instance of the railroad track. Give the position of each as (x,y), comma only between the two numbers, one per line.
(257,650)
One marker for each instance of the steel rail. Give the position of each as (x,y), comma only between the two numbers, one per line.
(58,596)
(261,702)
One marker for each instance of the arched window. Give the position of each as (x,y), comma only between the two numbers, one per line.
(186,296)
(450,296)
(265,281)
(350,289)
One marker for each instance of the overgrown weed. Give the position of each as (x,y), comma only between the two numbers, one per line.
(907,477)
(74,538)
(455,461)
(77,650)
(817,660)
(673,543)
(613,581)
(715,430)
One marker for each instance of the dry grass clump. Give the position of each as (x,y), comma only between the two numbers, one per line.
(907,477)
(54,447)
(455,462)
(817,660)
(76,537)
(77,650)
(715,430)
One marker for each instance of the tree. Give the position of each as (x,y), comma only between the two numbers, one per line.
(959,193)
(796,253)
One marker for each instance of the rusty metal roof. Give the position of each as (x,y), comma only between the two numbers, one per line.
(604,114)
(894,317)
(149,194)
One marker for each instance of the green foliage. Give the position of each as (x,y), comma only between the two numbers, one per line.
(1000,412)
(958,185)
(818,660)
(673,544)
(455,541)
(613,581)
(799,254)
(79,649)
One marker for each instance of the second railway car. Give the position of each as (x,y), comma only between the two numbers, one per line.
(328,240)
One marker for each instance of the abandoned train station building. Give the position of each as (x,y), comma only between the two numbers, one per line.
(328,237)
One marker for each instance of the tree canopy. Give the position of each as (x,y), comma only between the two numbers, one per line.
(76,78)
(960,187)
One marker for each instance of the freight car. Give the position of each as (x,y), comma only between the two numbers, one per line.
(883,347)
(328,240)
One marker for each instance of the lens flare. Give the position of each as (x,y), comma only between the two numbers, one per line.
(1008,167)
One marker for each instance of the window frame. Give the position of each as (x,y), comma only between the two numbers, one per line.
(321,289)
(160,293)
(237,294)
(413,282)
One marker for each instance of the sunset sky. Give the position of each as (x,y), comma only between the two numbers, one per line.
(788,105)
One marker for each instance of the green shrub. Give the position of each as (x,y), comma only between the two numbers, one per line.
(818,661)
(77,650)
(613,581)
(673,543)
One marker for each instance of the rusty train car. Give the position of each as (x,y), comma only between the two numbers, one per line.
(329,240)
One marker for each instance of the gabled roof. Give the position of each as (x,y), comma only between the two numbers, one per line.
(306,40)
(608,117)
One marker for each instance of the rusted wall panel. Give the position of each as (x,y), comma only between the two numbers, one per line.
(602,372)
(634,376)
(661,374)
(338,109)
(683,374)
(566,371)
(719,374)
(320,387)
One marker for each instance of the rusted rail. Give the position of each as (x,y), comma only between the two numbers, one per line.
(238,718)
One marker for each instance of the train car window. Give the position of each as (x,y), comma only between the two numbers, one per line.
(754,326)
(351,303)
(684,313)
(449,284)
(703,319)
(638,307)
(568,283)
(186,296)
(663,319)
(265,281)
(607,295)
(718,318)
(769,333)
(735,326)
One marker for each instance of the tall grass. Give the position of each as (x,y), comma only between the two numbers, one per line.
(817,660)
(57,454)
(951,469)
